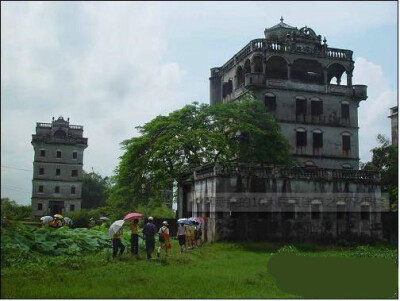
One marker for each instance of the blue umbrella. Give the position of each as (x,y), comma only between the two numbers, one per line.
(68,221)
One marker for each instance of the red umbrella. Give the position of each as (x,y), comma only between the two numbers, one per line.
(132,215)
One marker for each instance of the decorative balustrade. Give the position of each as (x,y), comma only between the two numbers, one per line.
(254,79)
(43,125)
(292,172)
(53,139)
(76,127)
(273,46)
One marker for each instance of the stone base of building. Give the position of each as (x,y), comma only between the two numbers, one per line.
(41,207)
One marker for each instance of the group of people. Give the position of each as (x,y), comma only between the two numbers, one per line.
(56,222)
(188,235)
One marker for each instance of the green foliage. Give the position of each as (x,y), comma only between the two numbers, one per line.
(19,243)
(12,211)
(385,161)
(94,189)
(170,147)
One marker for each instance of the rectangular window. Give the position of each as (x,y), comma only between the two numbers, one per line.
(74,173)
(345,111)
(71,207)
(270,103)
(73,190)
(39,206)
(340,212)
(41,171)
(315,211)
(317,140)
(42,153)
(301,107)
(58,172)
(316,108)
(40,188)
(58,154)
(365,212)
(301,139)
(57,189)
(74,155)
(346,143)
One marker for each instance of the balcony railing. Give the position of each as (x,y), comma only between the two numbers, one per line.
(254,79)
(271,46)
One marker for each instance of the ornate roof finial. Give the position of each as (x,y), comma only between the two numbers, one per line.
(324,40)
(281,19)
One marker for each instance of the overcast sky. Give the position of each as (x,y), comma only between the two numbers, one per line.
(112,66)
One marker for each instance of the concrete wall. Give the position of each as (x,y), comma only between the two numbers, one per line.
(254,207)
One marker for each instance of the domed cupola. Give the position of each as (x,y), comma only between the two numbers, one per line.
(279,31)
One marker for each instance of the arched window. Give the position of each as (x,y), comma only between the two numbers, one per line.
(301,137)
(258,64)
(317,139)
(247,67)
(60,133)
(73,189)
(346,144)
(276,67)
(240,76)
(316,107)
(307,71)
(301,106)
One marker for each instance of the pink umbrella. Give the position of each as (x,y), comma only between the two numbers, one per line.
(132,215)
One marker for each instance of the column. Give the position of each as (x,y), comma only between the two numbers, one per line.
(326,76)
(289,71)
(349,78)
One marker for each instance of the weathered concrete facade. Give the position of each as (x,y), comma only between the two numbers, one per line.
(299,79)
(242,202)
(57,167)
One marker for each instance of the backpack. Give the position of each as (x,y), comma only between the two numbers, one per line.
(161,236)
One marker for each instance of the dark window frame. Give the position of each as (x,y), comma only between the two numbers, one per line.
(58,154)
(72,207)
(39,206)
(41,188)
(345,110)
(73,190)
(58,172)
(301,138)
(42,153)
(318,140)
(41,171)
(316,108)
(270,102)
(315,214)
(365,215)
(74,173)
(346,143)
(57,189)
(301,106)
(74,155)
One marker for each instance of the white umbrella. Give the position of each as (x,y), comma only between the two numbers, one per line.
(115,226)
(46,219)
(68,221)
(104,218)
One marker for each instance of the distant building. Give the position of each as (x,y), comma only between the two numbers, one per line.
(306,85)
(57,167)
(394,118)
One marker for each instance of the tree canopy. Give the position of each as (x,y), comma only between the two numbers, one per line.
(385,161)
(94,189)
(170,147)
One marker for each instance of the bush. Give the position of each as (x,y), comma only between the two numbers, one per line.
(12,211)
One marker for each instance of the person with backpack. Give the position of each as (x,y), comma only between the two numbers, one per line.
(148,231)
(163,239)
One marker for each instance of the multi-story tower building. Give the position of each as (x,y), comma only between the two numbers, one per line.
(306,85)
(394,120)
(57,167)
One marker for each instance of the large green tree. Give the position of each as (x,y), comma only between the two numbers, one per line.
(11,210)
(94,189)
(385,161)
(169,147)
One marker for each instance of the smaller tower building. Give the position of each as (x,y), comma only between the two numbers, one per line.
(57,167)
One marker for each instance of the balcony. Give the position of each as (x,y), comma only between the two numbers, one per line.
(360,92)
(254,80)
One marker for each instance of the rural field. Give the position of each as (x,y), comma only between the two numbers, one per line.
(218,270)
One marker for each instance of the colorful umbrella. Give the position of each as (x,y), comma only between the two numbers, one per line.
(132,215)
(46,219)
(58,215)
(115,226)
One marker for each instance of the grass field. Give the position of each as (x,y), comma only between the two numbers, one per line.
(220,270)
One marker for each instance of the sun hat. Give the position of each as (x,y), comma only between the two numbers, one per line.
(165,223)
(150,218)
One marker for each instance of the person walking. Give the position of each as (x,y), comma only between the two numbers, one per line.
(181,236)
(117,244)
(163,239)
(148,231)
(135,238)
